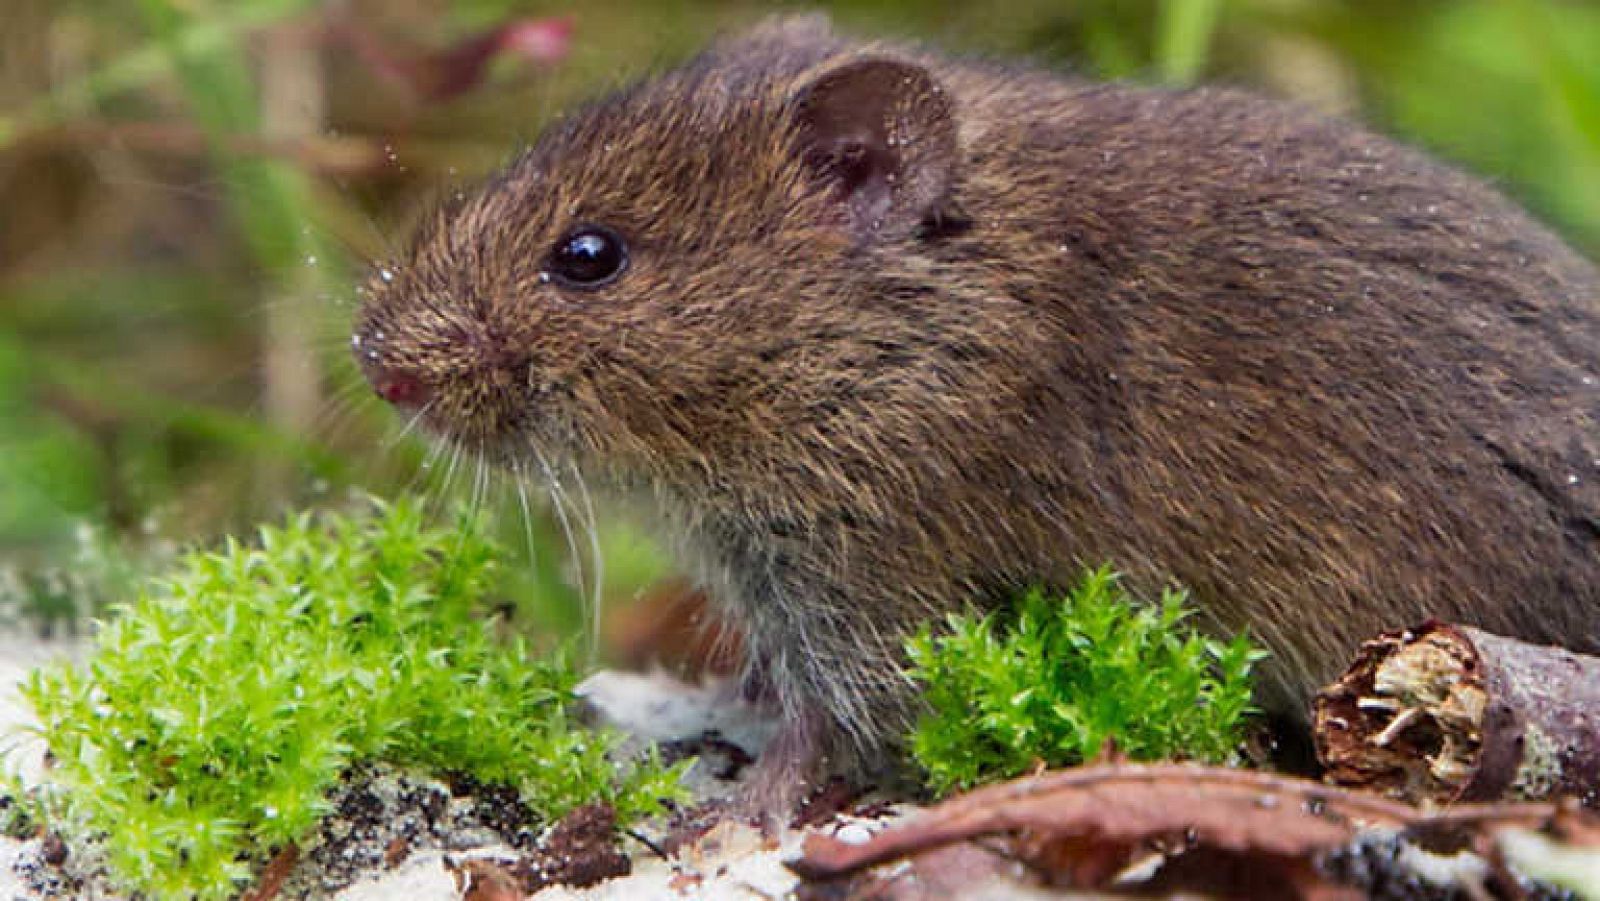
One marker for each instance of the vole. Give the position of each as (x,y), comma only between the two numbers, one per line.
(878,335)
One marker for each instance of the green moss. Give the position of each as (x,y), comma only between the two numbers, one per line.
(1056,678)
(218,709)
(17,816)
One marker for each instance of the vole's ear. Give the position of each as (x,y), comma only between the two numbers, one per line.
(882,133)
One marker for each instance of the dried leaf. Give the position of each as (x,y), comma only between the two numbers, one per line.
(486,880)
(673,627)
(579,851)
(275,873)
(1222,829)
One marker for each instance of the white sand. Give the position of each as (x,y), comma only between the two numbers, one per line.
(20,753)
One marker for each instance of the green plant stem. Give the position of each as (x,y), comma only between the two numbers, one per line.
(1183,38)
(199,38)
(1574,95)
(239,430)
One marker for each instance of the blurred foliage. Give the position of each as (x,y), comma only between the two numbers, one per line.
(173,220)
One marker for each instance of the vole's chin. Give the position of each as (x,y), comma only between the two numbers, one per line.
(489,447)
(516,448)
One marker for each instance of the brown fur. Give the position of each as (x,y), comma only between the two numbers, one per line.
(1330,386)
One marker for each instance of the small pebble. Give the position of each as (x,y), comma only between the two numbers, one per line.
(853,834)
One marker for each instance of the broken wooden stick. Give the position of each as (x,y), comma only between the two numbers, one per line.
(1443,712)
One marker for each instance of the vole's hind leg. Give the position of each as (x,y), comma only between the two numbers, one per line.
(791,762)
(790,766)
(773,789)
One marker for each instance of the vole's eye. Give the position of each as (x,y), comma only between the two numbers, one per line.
(587,257)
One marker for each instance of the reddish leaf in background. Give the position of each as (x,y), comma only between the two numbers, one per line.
(673,625)
(456,70)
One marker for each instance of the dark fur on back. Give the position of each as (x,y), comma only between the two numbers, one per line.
(1327,384)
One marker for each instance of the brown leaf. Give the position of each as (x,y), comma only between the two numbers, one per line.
(953,871)
(684,881)
(1575,825)
(486,880)
(1228,830)
(673,626)
(396,850)
(277,870)
(580,851)
(53,849)
(825,803)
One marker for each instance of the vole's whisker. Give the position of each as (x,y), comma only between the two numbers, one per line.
(475,482)
(422,479)
(378,238)
(340,404)
(559,501)
(410,424)
(485,482)
(450,471)
(596,558)
(519,475)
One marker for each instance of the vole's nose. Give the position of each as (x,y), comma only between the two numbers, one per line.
(395,384)
(398,387)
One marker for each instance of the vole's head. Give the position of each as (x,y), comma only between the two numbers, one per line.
(675,270)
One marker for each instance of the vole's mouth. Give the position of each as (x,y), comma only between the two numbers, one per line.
(477,408)
(403,390)
(402,387)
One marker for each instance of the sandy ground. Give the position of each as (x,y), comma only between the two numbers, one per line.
(734,862)
(20,755)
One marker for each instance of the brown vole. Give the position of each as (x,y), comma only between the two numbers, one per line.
(879,334)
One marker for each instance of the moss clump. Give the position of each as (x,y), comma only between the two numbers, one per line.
(218,709)
(1054,678)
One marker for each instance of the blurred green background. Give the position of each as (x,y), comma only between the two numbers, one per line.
(190,190)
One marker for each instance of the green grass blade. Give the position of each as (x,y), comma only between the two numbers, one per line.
(1183,38)
(196,39)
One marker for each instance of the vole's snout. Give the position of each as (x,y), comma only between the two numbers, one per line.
(398,387)
(395,384)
